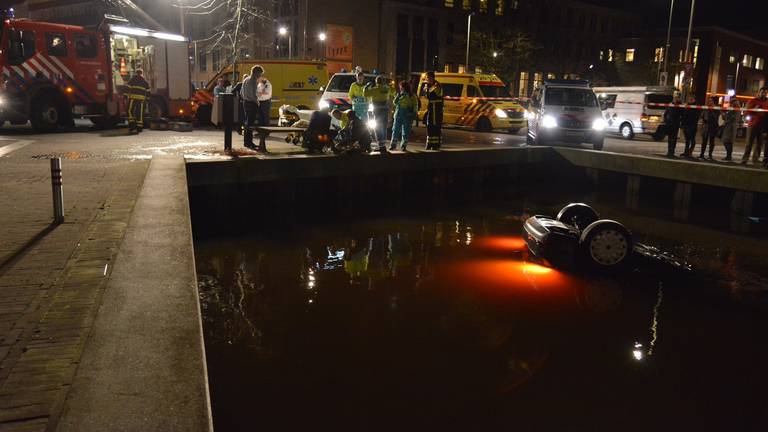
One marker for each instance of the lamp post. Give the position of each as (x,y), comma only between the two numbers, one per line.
(667,46)
(469,28)
(321,38)
(284,31)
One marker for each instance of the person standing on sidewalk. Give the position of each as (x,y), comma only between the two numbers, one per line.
(709,127)
(264,93)
(690,124)
(379,96)
(434,93)
(138,92)
(250,98)
(405,111)
(755,126)
(357,97)
(672,117)
(731,122)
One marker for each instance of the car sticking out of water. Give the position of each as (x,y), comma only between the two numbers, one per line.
(578,236)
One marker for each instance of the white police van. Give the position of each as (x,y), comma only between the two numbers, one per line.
(565,111)
(626,109)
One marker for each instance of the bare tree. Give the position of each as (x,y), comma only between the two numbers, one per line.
(504,54)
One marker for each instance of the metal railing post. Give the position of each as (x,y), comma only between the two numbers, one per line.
(58,191)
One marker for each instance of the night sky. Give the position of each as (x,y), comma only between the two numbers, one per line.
(747,16)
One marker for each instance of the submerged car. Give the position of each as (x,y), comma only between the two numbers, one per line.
(578,236)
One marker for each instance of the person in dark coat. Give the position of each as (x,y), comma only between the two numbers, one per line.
(731,122)
(672,117)
(690,123)
(709,127)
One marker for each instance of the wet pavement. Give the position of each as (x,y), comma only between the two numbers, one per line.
(446,322)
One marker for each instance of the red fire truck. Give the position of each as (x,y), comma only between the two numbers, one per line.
(53,73)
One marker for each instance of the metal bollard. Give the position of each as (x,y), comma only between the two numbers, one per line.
(58,191)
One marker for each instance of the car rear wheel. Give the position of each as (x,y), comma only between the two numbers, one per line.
(626,131)
(579,215)
(606,243)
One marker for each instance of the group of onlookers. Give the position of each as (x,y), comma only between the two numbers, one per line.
(718,122)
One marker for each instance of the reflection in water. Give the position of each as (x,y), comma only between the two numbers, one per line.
(451,324)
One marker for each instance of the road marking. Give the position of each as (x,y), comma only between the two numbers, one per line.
(5,150)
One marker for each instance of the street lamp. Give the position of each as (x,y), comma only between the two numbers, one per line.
(469,27)
(495,54)
(284,31)
(321,38)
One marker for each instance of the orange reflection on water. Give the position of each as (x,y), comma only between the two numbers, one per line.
(508,276)
(501,243)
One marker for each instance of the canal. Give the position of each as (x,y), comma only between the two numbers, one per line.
(441,320)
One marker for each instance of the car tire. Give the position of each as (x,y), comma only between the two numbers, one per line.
(606,244)
(626,131)
(579,215)
(483,125)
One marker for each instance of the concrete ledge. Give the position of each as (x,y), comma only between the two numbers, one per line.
(143,368)
(259,169)
(725,176)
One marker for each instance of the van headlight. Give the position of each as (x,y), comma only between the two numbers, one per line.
(598,124)
(372,124)
(527,114)
(548,122)
(370,107)
(323,104)
(500,113)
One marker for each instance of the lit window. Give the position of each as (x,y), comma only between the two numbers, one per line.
(759,63)
(630,55)
(478,70)
(448,3)
(746,61)
(483,6)
(732,58)
(462,69)
(680,56)
(466,4)
(695,50)
(551,75)
(447,67)
(538,80)
(499,7)
(602,55)
(523,88)
(658,55)
(610,55)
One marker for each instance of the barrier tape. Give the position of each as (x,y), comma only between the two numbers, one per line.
(691,106)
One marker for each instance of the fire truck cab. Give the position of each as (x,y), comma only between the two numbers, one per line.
(52,73)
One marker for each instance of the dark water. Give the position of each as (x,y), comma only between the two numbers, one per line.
(446,323)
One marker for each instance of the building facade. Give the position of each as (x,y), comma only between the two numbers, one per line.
(720,62)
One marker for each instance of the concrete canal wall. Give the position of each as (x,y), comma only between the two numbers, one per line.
(232,193)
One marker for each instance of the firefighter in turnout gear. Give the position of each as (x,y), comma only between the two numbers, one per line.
(138,92)
(434,115)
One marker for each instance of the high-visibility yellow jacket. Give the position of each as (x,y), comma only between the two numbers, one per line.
(378,94)
(357,93)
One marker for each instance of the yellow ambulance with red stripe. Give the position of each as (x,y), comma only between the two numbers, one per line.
(478,101)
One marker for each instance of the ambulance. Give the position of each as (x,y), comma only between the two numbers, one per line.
(297,83)
(479,101)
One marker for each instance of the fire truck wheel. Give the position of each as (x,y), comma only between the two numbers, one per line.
(483,125)
(47,113)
